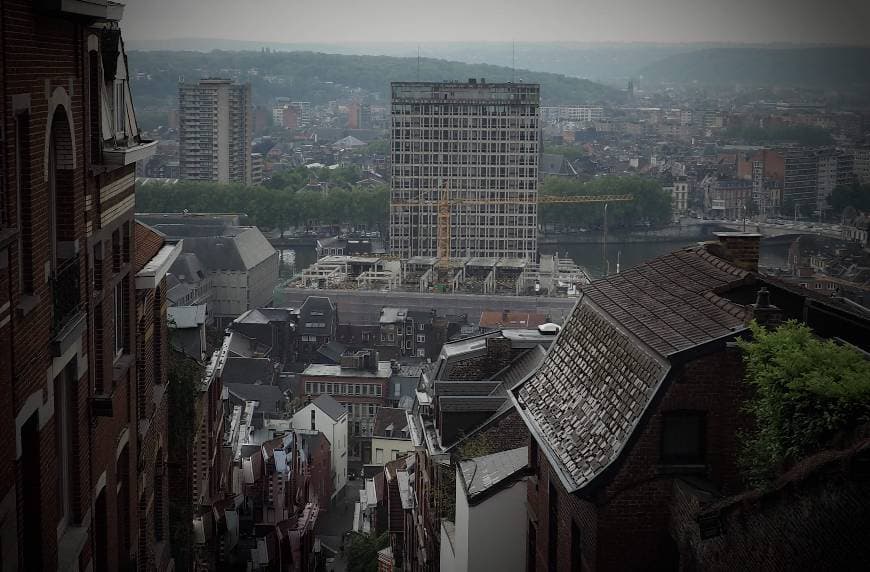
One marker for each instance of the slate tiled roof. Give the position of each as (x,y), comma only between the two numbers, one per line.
(248,370)
(482,474)
(330,406)
(456,404)
(521,367)
(613,352)
(393,417)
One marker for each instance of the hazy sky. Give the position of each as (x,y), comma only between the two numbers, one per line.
(837,21)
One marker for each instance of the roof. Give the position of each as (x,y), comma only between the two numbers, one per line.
(522,367)
(248,370)
(392,419)
(327,370)
(181,317)
(484,474)
(330,406)
(148,242)
(269,396)
(316,310)
(511,319)
(187,268)
(464,403)
(614,353)
(239,249)
(265,316)
(391,315)
(332,351)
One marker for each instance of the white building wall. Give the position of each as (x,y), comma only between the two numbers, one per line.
(262,280)
(492,534)
(336,433)
(229,292)
(391,448)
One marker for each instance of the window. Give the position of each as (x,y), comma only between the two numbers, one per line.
(23,221)
(120,109)
(421,352)
(379,456)
(553,529)
(421,327)
(421,339)
(120,314)
(308,387)
(395,453)
(313,418)
(371,410)
(683,438)
(64,392)
(378,390)
(576,548)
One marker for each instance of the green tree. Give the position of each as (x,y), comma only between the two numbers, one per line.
(183,379)
(362,555)
(855,195)
(807,393)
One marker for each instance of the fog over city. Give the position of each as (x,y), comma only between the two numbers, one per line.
(669,21)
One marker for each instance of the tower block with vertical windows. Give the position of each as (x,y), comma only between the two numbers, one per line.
(478,142)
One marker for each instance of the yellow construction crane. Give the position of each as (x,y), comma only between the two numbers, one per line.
(444,206)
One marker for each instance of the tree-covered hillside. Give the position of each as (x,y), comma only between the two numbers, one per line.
(319,78)
(817,67)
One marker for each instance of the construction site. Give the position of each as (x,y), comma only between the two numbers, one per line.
(463,199)
(551,276)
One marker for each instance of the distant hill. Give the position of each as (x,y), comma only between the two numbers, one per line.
(319,77)
(816,67)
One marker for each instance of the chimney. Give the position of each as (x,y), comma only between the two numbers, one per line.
(741,248)
(763,311)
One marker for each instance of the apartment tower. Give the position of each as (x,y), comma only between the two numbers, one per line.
(215,131)
(478,141)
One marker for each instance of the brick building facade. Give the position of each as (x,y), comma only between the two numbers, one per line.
(79,419)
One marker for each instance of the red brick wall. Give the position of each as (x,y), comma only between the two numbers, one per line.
(624,525)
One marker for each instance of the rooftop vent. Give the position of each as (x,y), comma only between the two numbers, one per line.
(549,329)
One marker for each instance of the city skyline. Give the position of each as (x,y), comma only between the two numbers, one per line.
(673,21)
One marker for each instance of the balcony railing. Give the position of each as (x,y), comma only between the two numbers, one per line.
(66,293)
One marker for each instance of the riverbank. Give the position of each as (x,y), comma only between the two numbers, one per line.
(673,233)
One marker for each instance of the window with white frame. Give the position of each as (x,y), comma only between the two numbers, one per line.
(421,339)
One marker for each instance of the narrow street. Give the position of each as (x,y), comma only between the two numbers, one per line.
(336,521)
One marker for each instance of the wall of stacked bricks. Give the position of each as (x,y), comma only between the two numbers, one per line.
(795,523)
(635,503)
(743,251)
(56,57)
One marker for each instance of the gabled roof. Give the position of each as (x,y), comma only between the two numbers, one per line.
(269,396)
(248,370)
(330,406)
(522,367)
(239,249)
(187,268)
(614,352)
(181,317)
(392,419)
(487,474)
(316,310)
(332,351)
